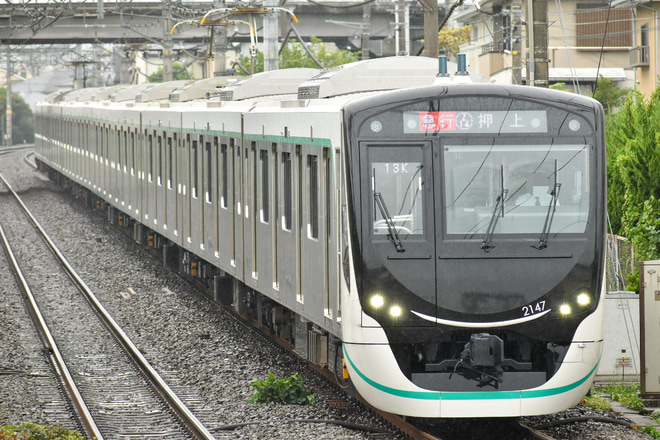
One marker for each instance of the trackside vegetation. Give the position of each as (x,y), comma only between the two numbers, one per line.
(287,390)
(31,431)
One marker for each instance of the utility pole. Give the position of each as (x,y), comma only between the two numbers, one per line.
(366,30)
(167,41)
(9,111)
(537,45)
(271,33)
(516,43)
(430,28)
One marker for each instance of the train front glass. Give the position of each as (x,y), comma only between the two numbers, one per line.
(479,225)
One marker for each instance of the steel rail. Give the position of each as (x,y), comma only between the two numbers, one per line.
(187,418)
(79,405)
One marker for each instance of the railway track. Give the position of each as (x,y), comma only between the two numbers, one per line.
(112,387)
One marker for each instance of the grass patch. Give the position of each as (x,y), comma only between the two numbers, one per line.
(287,390)
(627,393)
(597,402)
(32,431)
(651,431)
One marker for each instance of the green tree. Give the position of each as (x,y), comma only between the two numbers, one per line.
(22,129)
(178,72)
(293,55)
(451,38)
(633,148)
(609,95)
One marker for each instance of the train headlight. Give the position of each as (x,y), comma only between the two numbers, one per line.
(377,301)
(395,311)
(583,299)
(565,309)
(376,126)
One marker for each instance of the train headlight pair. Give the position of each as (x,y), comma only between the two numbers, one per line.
(377,301)
(582,299)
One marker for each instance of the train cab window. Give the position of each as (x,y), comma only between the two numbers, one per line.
(515,189)
(397,191)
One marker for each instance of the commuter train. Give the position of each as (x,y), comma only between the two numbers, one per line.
(442,237)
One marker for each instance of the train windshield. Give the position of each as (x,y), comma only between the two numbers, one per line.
(515,189)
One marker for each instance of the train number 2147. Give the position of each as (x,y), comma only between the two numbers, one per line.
(531,309)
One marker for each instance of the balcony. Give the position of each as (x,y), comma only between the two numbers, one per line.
(639,56)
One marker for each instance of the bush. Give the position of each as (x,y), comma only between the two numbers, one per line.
(289,390)
(31,431)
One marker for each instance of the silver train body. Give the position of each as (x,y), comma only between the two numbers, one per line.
(370,213)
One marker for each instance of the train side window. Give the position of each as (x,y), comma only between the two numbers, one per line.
(151,159)
(119,158)
(287,183)
(195,170)
(209,172)
(313,192)
(160,160)
(225,173)
(132,154)
(169,163)
(263,161)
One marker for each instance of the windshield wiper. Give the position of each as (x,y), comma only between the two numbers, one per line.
(552,207)
(499,205)
(393,234)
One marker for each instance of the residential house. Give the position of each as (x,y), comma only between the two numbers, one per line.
(585,39)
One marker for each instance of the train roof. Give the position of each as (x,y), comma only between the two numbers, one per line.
(202,88)
(367,76)
(380,74)
(274,82)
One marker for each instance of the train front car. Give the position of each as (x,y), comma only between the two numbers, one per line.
(475,227)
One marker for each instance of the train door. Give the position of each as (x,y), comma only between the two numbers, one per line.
(210,190)
(238,173)
(161,184)
(262,219)
(250,222)
(225,225)
(181,183)
(313,191)
(288,234)
(196,219)
(171,216)
(133,173)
